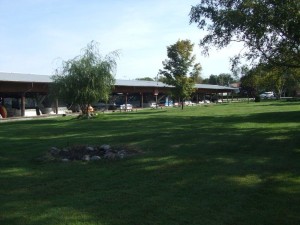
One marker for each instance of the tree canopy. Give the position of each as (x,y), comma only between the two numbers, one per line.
(223,79)
(180,70)
(87,78)
(261,78)
(269,29)
(145,78)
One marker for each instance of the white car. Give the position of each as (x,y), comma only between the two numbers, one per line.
(189,103)
(153,105)
(204,102)
(267,95)
(127,107)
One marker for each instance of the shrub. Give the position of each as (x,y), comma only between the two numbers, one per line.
(257,98)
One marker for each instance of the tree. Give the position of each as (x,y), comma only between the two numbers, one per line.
(87,78)
(251,81)
(269,29)
(179,69)
(145,78)
(264,78)
(223,79)
(277,79)
(292,84)
(196,73)
(161,78)
(213,79)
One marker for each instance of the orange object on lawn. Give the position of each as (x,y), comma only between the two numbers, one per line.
(3,111)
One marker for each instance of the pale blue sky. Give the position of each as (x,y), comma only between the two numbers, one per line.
(35,34)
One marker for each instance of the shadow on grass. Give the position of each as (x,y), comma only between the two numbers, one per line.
(265,117)
(195,170)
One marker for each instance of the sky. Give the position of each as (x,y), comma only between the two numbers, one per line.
(36,35)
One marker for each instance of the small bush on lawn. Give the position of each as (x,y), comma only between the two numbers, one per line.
(257,98)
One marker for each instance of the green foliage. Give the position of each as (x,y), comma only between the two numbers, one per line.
(251,82)
(145,78)
(269,29)
(257,98)
(86,78)
(179,69)
(213,79)
(196,73)
(281,79)
(265,78)
(223,79)
(184,86)
(162,78)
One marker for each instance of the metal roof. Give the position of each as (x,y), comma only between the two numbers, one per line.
(140,83)
(19,77)
(213,87)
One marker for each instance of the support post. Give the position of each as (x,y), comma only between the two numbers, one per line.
(56,106)
(126,102)
(23,104)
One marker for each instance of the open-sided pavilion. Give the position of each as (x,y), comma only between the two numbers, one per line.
(22,86)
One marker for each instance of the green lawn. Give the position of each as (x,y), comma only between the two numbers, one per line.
(227,164)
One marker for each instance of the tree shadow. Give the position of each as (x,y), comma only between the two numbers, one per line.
(196,170)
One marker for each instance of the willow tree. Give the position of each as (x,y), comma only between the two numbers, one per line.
(180,69)
(87,78)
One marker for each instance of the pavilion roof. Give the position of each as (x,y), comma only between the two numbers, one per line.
(34,78)
(21,77)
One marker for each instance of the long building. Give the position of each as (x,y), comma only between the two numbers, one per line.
(30,86)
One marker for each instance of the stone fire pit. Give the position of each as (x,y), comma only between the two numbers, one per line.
(88,153)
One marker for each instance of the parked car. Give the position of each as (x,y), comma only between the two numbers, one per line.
(204,102)
(267,95)
(189,103)
(153,105)
(127,107)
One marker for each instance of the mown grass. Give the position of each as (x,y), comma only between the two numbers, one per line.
(223,164)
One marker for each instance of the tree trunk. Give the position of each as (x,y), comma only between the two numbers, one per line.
(84,109)
(88,113)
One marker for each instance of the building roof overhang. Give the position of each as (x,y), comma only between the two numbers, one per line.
(12,78)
